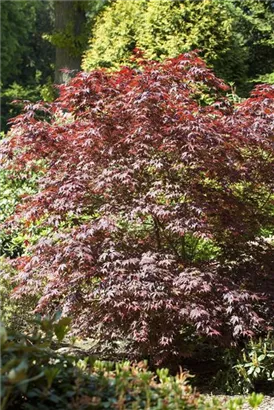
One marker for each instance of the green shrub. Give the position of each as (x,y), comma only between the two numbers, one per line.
(35,374)
(13,188)
(248,369)
(15,313)
(235,37)
(165,28)
(20,93)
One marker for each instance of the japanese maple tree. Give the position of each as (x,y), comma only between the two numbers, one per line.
(158,192)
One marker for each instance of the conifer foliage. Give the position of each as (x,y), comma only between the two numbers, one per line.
(156,192)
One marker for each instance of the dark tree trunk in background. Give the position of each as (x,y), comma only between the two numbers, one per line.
(68,13)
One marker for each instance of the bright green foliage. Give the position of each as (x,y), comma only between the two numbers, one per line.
(36,375)
(115,34)
(255,364)
(170,28)
(248,369)
(163,28)
(13,189)
(15,313)
(75,39)
(235,37)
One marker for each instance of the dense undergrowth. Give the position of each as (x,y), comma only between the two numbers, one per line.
(35,371)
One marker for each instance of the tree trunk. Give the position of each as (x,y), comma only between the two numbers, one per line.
(67,14)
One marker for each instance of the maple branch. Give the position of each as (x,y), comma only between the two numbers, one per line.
(169,241)
(157,232)
(194,247)
(183,247)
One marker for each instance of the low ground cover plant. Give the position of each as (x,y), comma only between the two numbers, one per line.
(35,374)
(156,193)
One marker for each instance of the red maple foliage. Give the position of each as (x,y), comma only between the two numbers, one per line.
(157,189)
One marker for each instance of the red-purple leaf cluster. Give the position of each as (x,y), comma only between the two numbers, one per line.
(157,190)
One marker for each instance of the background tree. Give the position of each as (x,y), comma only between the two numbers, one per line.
(256,22)
(68,37)
(17,20)
(73,22)
(25,54)
(38,39)
(26,57)
(228,34)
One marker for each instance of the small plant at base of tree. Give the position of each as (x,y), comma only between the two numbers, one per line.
(36,376)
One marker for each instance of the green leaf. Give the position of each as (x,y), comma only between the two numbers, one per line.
(251,370)
(62,328)
(18,373)
(3,335)
(261,357)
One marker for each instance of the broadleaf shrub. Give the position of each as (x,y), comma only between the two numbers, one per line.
(156,196)
(35,374)
(16,314)
(248,369)
(14,187)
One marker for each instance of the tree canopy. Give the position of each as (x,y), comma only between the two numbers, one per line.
(17,20)
(23,49)
(236,38)
(156,196)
